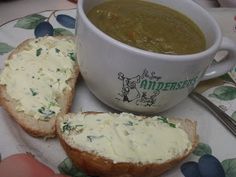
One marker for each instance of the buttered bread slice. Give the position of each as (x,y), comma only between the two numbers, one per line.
(37,83)
(107,144)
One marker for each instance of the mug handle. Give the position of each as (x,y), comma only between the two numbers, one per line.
(224,66)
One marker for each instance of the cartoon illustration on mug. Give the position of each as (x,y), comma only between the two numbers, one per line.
(146,100)
(131,92)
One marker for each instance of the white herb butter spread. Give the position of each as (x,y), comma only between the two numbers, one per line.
(36,75)
(125,137)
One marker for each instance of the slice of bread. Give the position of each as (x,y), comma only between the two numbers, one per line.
(37,83)
(123,154)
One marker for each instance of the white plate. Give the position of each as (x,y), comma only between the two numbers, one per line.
(13,139)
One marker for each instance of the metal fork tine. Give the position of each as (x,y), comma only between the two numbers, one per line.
(224,118)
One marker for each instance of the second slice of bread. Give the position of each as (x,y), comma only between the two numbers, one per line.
(47,49)
(94,163)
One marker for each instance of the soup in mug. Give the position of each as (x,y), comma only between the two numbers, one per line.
(148,26)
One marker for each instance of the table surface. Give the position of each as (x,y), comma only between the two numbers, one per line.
(11,9)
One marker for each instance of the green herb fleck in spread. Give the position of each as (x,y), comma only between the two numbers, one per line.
(38,51)
(67,127)
(129,123)
(172,125)
(57,50)
(46,112)
(91,138)
(33,92)
(165,120)
(72,56)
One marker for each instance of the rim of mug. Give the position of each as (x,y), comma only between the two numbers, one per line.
(195,56)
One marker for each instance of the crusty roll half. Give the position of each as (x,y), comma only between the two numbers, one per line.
(125,145)
(37,83)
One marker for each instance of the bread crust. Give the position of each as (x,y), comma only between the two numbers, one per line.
(35,127)
(96,165)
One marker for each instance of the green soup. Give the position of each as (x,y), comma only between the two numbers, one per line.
(148,26)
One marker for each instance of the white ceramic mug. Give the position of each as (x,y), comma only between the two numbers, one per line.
(131,79)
